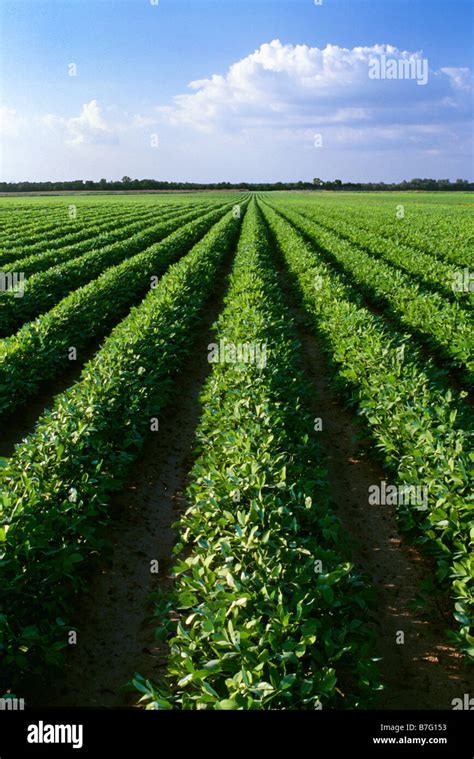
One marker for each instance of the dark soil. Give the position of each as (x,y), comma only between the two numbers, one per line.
(424,672)
(116,630)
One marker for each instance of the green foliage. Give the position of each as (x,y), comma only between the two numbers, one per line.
(381,240)
(46,254)
(443,326)
(43,290)
(40,349)
(258,628)
(57,486)
(418,428)
(254,624)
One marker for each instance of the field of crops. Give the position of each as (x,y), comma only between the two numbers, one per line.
(291,374)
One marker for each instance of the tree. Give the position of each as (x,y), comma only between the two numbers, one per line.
(126,179)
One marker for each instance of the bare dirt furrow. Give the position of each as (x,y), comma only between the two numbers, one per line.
(116,631)
(424,671)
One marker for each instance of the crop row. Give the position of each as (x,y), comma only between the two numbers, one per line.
(447,235)
(103,223)
(416,428)
(442,325)
(18,259)
(40,349)
(270,615)
(57,486)
(28,233)
(28,223)
(115,233)
(431,272)
(43,290)
(444,236)
(16,220)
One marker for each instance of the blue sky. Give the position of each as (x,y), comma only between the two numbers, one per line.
(282,89)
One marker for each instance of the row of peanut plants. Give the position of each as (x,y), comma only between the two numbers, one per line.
(444,234)
(33,229)
(443,326)
(56,488)
(432,273)
(44,290)
(422,432)
(271,615)
(103,231)
(38,225)
(104,222)
(40,350)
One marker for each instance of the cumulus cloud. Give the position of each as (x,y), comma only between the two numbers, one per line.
(89,128)
(270,105)
(93,126)
(296,86)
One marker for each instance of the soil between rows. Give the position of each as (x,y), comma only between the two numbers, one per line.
(425,672)
(114,618)
(116,633)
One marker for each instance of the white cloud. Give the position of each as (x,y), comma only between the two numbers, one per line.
(89,128)
(93,127)
(461,78)
(297,86)
(139,121)
(258,120)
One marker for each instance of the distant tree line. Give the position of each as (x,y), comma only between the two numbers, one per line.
(128,184)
